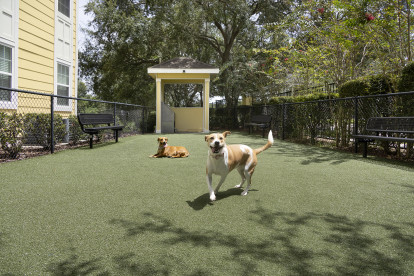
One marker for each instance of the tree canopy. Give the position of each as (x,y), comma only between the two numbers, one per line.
(262,47)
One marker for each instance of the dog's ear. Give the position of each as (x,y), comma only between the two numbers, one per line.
(159,138)
(226,133)
(206,137)
(166,139)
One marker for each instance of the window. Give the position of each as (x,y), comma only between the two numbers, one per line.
(62,84)
(64,7)
(7,9)
(63,40)
(63,31)
(9,14)
(5,72)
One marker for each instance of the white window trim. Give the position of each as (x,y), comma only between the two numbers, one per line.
(14,45)
(69,63)
(57,106)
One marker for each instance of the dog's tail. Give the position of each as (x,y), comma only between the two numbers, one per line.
(268,144)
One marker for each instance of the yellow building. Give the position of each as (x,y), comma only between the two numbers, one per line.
(182,119)
(38,52)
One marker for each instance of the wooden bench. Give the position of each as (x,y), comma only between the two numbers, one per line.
(260,121)
(99,122)
(385,129)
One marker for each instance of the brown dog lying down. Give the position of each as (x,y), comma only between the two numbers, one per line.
(164,150)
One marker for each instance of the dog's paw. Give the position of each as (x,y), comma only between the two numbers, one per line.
(238,186)
(213,197)
(244,193)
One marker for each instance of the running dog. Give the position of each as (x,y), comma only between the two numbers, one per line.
(164,150)
(222,159)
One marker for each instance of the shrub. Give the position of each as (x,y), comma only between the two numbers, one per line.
(302,98)
(76,133)
(371,85)
(38,126)
(379,84)
(2,122)
(313,97)
(405,104)
(12,134)
(358,87)
(281,100)
(406,82)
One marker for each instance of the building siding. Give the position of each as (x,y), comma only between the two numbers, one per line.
(36,56)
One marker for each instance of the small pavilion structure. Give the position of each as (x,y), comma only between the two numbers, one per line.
(182,70)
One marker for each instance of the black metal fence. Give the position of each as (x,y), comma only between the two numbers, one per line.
(326,88)
(38,120)
(43,120)
(330,122)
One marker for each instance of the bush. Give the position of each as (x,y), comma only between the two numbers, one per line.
(281,100)
(38,126)
(405,104)
(358,87)
(12,134)
(3,119)
(379,84)
(372,85)
(302,98)
(406,82)
(313,97)
(75,130)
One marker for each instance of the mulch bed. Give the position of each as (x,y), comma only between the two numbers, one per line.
(34,151)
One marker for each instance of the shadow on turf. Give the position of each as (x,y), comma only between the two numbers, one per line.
(99,144)
(74,266)
(202,201)
(296,244)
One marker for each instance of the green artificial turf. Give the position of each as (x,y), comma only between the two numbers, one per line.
(112,210)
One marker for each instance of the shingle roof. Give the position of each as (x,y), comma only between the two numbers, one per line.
(183,63)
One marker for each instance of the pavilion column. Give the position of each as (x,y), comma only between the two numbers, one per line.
(159,98)
(206,111)
(162,92)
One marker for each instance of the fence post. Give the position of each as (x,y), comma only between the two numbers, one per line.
(283,121)
(356,124)
(115,114)
(144,122)
(52,127)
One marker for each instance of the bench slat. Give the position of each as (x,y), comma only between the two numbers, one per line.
(391,124)
(261,121)
(384,138)
(401,125)
(96,119)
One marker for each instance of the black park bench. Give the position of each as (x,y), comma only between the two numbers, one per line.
(93,123)
(397,129)
(259,121)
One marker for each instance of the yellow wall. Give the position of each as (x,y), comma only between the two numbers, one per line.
(247,100)
(36,64)
(188,119)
